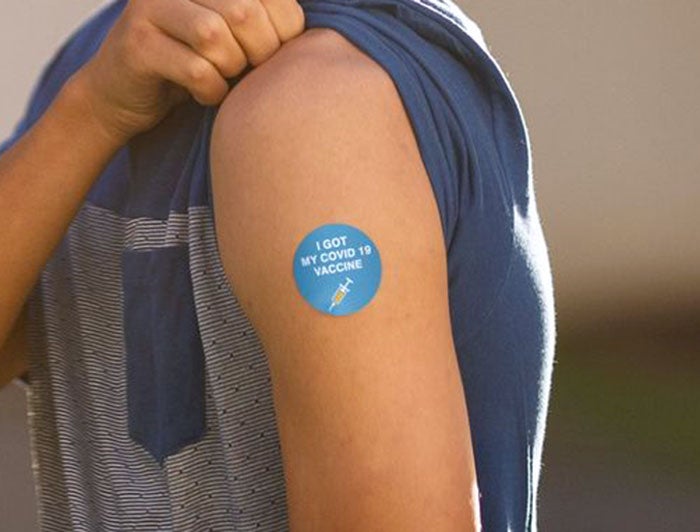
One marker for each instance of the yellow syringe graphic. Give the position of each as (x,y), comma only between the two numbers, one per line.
(340,293)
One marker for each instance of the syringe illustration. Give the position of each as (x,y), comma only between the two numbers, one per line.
(340,293)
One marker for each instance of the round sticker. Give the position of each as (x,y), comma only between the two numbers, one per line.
(337,269)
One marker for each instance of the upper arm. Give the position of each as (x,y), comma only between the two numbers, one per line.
(370,406)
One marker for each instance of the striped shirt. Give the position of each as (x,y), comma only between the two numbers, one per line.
(150,404)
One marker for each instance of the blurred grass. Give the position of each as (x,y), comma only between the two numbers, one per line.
(641,403)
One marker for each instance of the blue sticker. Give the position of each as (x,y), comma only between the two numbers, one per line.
(337,269)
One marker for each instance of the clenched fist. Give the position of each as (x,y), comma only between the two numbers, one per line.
(161,51)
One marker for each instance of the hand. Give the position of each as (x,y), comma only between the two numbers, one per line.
(161,51)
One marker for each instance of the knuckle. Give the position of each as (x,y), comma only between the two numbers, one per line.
(198,72)
(204,83)
(239,12)
(206,29)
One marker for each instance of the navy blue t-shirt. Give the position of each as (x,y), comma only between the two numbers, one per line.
(150,400)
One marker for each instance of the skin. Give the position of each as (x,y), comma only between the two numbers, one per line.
(371,411)
(157,54)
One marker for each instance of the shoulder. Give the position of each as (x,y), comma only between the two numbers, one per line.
(320,122)
(320,75)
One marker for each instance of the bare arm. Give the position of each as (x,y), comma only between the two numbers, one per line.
(13,355)
(44,178)
(370,407)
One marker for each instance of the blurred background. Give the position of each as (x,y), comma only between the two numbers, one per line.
(609,89)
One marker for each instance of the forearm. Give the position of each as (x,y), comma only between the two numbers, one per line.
(12,366)
(44,179)
(13,354)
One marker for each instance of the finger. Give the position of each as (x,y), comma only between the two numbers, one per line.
(177,93)
(287,16)
(178,63)
(202,29)
(249,24)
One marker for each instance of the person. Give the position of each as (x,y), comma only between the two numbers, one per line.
(308,292)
